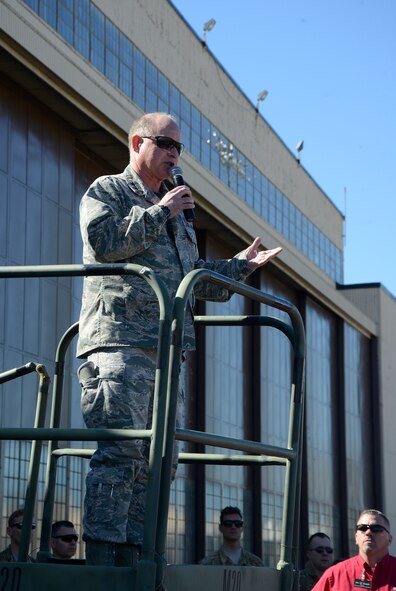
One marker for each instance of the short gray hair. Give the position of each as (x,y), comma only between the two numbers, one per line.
(143,125)
(376,513)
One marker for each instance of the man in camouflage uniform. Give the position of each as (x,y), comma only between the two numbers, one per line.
(14,530)
(231,551)
(132,217)
(320,557)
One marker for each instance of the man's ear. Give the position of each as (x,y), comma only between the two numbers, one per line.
(136,143)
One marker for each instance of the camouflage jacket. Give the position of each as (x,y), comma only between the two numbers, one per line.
(6,555)
(308,577)
(220,558)
(121,223)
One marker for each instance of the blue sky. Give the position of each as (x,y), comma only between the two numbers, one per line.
(329,67)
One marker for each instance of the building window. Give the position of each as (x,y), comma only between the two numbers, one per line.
(65,20)
(112,53)
(126,69)
(275,386)
(321,394)
(47,11)
(224,413)
(358,425)
(82,28)
(97,39)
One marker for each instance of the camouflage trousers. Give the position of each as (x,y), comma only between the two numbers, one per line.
(117,393)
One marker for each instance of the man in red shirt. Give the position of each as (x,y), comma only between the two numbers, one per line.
(373,568)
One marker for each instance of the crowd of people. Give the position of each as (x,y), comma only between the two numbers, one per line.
(372,568)
(64,539)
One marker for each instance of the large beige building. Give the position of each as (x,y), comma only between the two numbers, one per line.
(74,75)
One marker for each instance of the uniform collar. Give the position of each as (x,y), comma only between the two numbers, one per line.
(138,187)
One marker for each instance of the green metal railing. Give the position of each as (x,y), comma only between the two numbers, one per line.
(35,452)
(54,434)
(292,453)
(150,569)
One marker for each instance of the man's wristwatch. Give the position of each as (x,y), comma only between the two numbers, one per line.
(166,209)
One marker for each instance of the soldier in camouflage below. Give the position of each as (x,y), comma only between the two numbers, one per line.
(132,217)
(231,551)
(14,530)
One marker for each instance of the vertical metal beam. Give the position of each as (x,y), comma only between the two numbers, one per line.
(377,477)
(340,443)
(252,413)
(34,464)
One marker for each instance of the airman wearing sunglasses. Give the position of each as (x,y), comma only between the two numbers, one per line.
(373,567)
(64,540)
(320,556)
(231,551)
(134,217)
(14,530)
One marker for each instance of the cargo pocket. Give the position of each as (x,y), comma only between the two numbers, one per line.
(108,496)
(89,381)
(101,389)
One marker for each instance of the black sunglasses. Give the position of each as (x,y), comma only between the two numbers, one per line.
(322,549)
(376,528)
(67,538)
(165,143)
(230,522)
(19,525)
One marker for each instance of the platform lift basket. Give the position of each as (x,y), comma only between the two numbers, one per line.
(150,573)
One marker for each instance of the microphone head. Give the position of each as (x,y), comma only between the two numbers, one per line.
(177,176)
(175,171)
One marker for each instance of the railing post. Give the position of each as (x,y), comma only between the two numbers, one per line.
(34,465)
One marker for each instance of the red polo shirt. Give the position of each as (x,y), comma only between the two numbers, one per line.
(355,573)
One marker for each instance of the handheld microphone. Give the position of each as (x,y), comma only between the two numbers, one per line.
(177,176)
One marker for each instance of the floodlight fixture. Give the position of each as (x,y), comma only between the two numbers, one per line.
(208,26)
(261,97)
(299,147)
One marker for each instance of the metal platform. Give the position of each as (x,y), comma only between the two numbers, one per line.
(54,577)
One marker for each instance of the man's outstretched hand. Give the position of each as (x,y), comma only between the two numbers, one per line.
(257,258)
